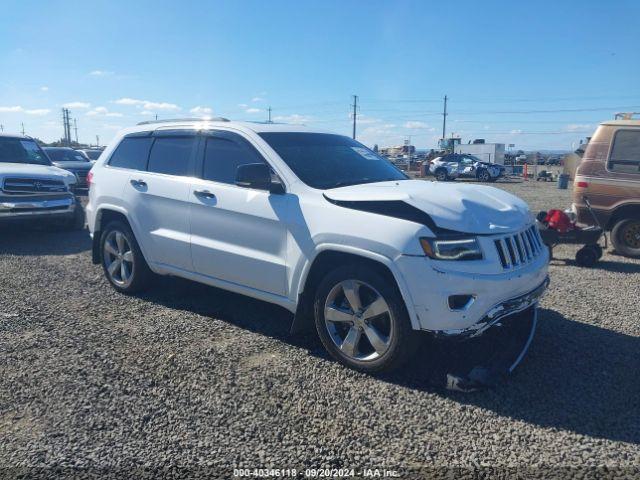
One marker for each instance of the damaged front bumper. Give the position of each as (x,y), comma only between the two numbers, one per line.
(497,313)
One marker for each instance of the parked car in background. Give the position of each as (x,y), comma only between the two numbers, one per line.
(91,153)
(320,225)
(609,176)
(32,189)
(455,165)
(73,161)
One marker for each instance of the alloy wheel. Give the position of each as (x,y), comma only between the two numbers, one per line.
(118,258)
(358,320)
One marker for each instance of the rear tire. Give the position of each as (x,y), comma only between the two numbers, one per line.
(122,260)
(362,321)
(625,237)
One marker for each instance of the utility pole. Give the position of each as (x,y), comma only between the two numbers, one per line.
(75,127)
(156,116)
(444,119)
(1,127)
(269,110)
(97,140)
(355,114)
(22,124)
(66,122)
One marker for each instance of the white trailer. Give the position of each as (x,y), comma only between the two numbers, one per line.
(487,152)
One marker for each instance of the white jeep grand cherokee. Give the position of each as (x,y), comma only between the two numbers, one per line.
(316,223)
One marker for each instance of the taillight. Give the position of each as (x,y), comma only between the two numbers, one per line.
(89,178)
(582,184)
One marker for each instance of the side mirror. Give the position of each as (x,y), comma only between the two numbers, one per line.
(258,176)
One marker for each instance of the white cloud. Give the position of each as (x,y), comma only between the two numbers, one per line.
(146,112)
(294,119)
(516,131)
(253,110)
(16,108)
(76,105)
(243,105)
(100,73)
(102,111)
(365,120)
(146,104)
(108,126)
(128,101)
(573,127)
(201,110)
(160,106)
(37,111)
(44,88)
(257,99)
(415,125)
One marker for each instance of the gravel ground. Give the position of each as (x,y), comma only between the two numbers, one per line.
(191,376)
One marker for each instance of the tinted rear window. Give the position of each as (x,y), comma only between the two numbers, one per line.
(170,155)
(625,153)
(132,153)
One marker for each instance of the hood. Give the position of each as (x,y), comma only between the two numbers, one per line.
(36,171)
(80,165)
(463,208)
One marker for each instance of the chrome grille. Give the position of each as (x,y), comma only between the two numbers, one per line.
(17,185)
(519,249)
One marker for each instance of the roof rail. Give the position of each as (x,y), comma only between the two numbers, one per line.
(625,115)
(169,120)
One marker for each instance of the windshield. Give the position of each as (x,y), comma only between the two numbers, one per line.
(65,155)
(328,161)
(21,150)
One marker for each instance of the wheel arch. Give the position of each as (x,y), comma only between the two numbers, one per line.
(629,210)
(103,216)
(331,256)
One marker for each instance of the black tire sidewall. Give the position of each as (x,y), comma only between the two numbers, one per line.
(141,270)
(403,340)
(439,173)
(618,243)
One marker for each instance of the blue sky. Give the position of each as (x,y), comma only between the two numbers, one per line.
(538,74)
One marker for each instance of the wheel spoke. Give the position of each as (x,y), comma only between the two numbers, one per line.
(350,343)
(334,315)
(109,248)
(124,271)
(376,340)
(113,268)
(350,288)
(120,241)
(128,256)
(375,308)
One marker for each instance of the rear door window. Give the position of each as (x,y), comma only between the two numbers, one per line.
(132,153)
(171,155)
(625,152)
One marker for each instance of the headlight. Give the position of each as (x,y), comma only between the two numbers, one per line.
(452,249)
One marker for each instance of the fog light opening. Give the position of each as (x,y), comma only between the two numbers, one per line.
(461,302)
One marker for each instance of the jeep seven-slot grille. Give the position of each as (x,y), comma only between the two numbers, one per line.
(32,185)
(519,249)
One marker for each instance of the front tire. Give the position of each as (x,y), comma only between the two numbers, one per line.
(362,321)
(122,260)
(484,176)
(441,175)
(625,237)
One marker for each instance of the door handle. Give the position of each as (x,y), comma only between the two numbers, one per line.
(138,183)
(205,194)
